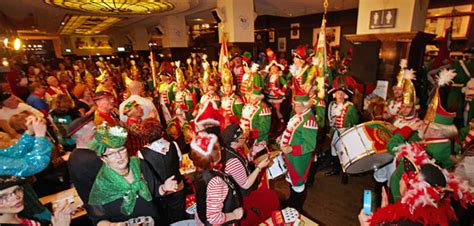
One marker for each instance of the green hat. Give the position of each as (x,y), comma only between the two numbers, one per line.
(130,106)
(108,137)
(257,84)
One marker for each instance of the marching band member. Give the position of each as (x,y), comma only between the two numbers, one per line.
(407,117)
(231,104)
(298,142)
(276,84)
(342,114)
(165,88)
(299,70)
(256,118)
(183,104)
(395,104)
(435,132)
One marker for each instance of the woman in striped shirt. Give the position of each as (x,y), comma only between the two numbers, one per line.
(217,199)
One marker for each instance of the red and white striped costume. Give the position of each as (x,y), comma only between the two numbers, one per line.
(246,78)
(337,114)
(216,193)
(249,112)
(236,170)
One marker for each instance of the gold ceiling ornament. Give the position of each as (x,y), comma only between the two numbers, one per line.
(86,25)
(114,6)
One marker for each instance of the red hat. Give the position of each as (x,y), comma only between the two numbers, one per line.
(210,115)
(300,52)
(270,54)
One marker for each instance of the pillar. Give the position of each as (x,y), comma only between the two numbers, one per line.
(238,20)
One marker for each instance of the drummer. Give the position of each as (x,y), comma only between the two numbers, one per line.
(342,115)
(298,142)
(407,116)
(258,203)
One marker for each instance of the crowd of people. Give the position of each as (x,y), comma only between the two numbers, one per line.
(118,130)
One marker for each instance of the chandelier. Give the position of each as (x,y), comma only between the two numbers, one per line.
(113,6)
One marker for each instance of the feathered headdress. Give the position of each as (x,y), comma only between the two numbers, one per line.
(436,113)
(409,93)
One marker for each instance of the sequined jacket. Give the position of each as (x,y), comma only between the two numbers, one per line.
(28,156)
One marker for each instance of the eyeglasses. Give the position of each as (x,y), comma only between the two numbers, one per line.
(17,192)
(116,153)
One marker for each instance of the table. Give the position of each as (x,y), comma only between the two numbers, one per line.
(305,221)
(65,195)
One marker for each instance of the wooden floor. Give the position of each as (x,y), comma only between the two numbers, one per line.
(331,203)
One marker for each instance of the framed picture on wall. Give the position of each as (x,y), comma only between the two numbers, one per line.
(282,44)
(333,35)
(435,24)
(271,36)
(295,31)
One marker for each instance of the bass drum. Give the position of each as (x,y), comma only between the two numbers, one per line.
(363,147)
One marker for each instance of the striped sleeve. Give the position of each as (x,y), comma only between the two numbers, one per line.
(216,193)
(236,170)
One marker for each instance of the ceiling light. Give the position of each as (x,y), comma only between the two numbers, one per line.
(17,44)
(5,62)
(5,41)
(198,19)
(114,6)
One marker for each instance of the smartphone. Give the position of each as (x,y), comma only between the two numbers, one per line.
(367,202)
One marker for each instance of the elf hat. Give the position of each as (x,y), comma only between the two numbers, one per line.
(435,112)
(209,116)
(108,137)
(246,57)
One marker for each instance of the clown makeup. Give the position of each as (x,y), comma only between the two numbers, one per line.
(11,200)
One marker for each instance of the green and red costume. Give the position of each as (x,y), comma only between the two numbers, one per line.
(301,135)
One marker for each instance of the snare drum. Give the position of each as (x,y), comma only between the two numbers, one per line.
(363,147)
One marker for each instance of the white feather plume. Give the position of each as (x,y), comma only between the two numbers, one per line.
(293,69)
(446,76)
(177,63)
(409,74)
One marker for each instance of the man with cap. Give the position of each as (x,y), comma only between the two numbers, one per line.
(299,69)
(105,108)
(342,114)
(256,118)
(298,143)
(183,104)
(394,104)
(83,163)
(165,91)
(136,89)
(435,133)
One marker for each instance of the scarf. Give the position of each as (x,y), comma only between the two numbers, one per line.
(110,186)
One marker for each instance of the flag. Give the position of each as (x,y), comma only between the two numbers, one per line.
(223,56)
(321,55)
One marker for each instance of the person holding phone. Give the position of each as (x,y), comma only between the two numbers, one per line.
(426,194)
